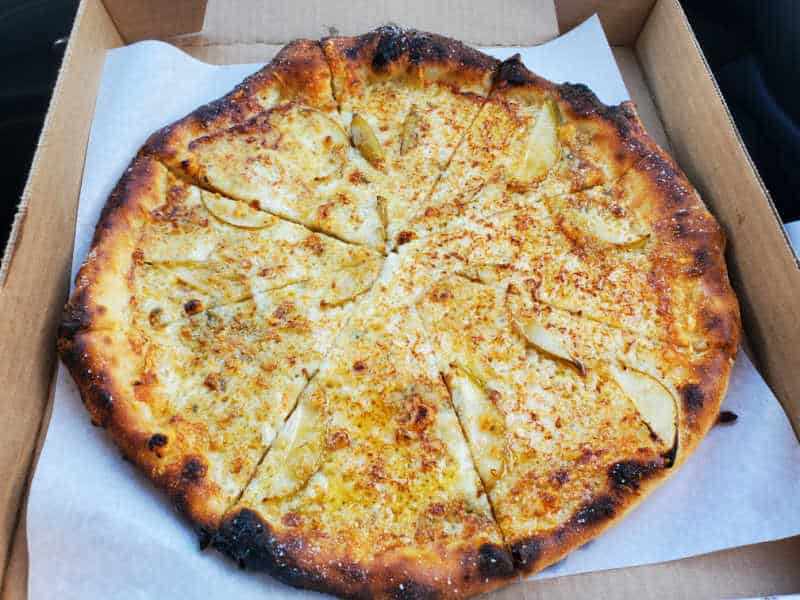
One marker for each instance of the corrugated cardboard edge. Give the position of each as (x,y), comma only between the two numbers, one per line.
(622,21)
(770,306)
(155,19)
(48,220)
(518,23)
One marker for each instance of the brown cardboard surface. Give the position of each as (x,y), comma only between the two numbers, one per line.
(39,258)
(759,570)
(155,19)
(763,267)
(668,79)
(622,19)
(511,22)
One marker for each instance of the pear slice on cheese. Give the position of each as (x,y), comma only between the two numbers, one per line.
(541,148)
(543,336)
(596,216)
(366,142)
(298,451)
(348,284)
(656,405)
(236,213)
(483,425)
(412,125)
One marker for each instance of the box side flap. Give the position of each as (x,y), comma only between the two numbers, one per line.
(706,143)
(750,571)
(14,583)
(155,19)
(473,21)
(38,256)
(622,19)
(225,53)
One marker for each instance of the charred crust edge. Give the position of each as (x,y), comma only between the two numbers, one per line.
(93,383)
(626,479)
(495,562)
(246,538)
(390,44)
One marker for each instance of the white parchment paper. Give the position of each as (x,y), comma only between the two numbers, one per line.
(97,529)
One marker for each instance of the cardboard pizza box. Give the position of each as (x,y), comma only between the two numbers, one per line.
(679,102)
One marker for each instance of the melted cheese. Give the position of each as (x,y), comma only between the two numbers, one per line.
(226,377)
(295,162)
(395,469)
(190,252)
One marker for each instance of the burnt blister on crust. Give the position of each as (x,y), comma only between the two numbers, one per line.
(194,469)
(693,397)
(600,509)
(514,73)
(248,540)
(390,44)
(630,473)
(494,562)
(526,553)
(157,440)
(76,316)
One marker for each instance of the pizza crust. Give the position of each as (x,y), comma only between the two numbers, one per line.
(461,213)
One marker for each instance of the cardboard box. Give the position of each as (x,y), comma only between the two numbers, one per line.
(678,100)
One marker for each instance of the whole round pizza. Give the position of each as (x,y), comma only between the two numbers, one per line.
(395,319)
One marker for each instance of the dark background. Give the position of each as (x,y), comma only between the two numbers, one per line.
(753,47)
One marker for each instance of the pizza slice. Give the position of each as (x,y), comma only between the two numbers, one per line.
(196,402)
(570,422)
(277,143)
(298,74)
(631,254)
(369,489)
(407,98)
(533,139)
(192,324)
(176,249)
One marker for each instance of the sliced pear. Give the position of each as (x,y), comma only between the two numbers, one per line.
(293,144)
(205,278)
(236,213)
(596,217)
(541,148)
(348,284)
(655,403)
(365,141)
(483,424)
(546,339)
(298,451)
(383,213)
(485,273)
(411,127)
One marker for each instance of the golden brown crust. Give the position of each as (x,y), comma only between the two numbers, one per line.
(689,252)
(299,73)
(97,353)
(391,52)
(95,360)
(246,538)
(616,130)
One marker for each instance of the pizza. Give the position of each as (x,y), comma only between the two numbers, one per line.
(396,319)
